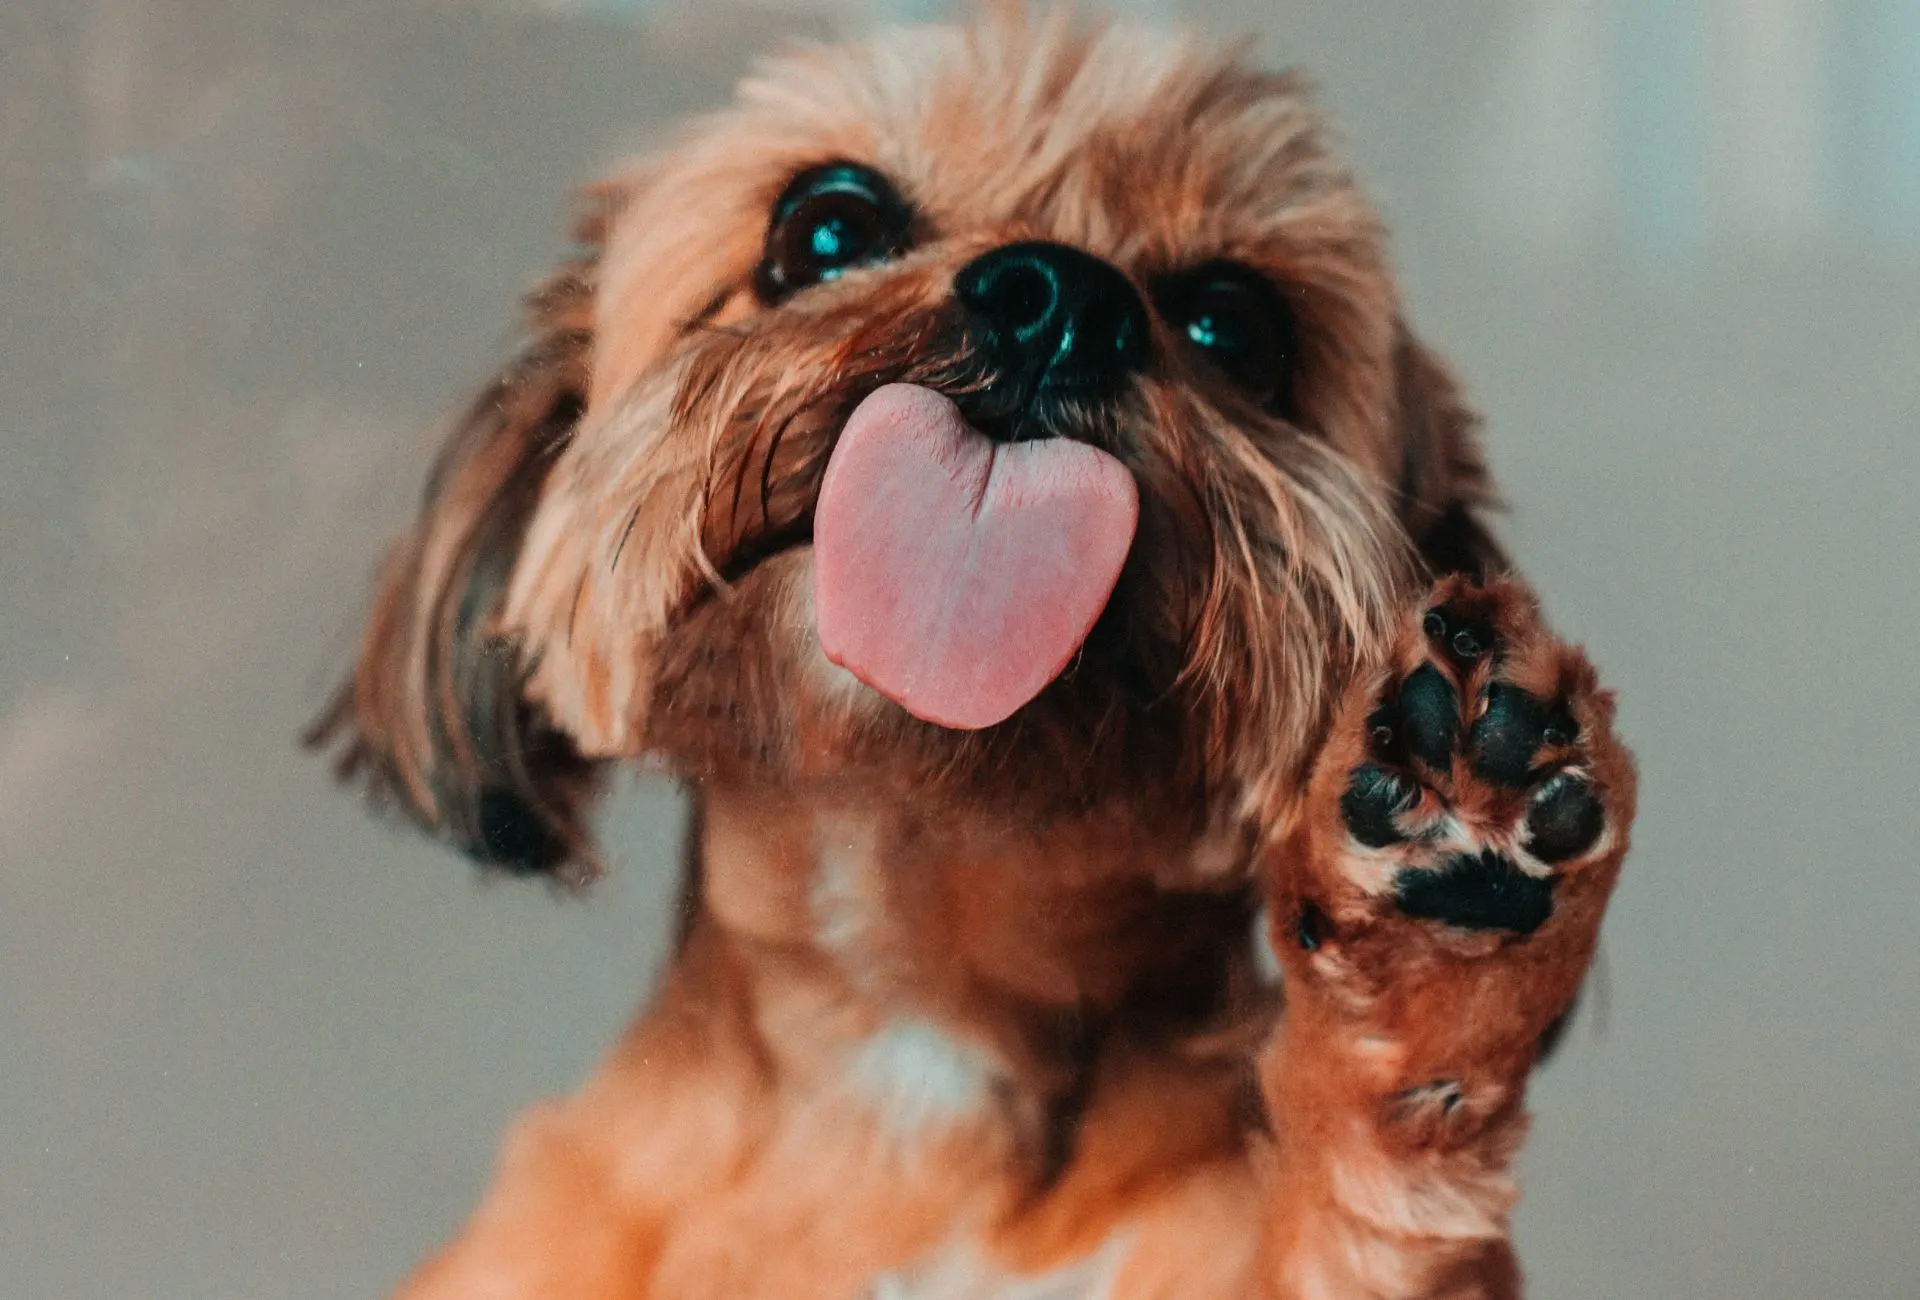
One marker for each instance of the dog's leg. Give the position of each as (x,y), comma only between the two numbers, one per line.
(590,1188)
(1435,912)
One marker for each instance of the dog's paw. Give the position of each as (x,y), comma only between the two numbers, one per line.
(1462,831)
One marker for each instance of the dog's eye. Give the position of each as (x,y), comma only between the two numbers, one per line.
(829,219)
(1238,321)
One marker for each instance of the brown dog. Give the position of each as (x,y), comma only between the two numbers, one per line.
(989,468)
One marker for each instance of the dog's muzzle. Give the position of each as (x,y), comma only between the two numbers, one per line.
(1056,322)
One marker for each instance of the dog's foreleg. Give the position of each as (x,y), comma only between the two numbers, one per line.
(1434,914)
(590,1189)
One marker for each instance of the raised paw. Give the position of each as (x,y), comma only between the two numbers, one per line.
(1463,828)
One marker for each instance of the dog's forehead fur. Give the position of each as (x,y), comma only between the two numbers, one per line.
(1144,147)
(1060,129)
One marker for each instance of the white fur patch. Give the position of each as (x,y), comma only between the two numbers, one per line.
(958,1273)
(1458,1203)
(1266,961)
(832,685)
(922,1077)
(843,896)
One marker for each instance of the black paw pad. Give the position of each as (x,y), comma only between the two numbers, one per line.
(1429,712)
(1484,892)
(1461,636)
(1565,820)
(1511,731)
(1374,797)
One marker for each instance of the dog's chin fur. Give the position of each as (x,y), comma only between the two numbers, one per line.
(613,563)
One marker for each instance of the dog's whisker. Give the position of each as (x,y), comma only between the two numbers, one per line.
(626,534)
(573,612)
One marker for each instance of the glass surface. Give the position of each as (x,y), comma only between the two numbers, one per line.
(255,1044)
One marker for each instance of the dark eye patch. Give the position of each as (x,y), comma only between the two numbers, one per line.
(828,220)
(1238,322)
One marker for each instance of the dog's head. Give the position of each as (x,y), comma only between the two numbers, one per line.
(1111,238)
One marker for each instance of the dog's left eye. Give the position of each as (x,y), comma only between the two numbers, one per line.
(828,220)
(1239,322)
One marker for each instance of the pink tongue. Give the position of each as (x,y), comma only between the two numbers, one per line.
(956,575)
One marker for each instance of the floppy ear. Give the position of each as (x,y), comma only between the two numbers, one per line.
(434,716)
(1445,492)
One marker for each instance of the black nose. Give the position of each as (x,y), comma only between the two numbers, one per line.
(1056,320)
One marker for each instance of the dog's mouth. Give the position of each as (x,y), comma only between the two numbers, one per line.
(955,574)
(960,557)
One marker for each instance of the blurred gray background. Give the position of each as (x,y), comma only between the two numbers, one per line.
(254,1044)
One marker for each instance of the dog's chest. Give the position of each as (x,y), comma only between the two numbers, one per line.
(959,1272)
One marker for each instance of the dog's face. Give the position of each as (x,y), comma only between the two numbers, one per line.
(1112,239)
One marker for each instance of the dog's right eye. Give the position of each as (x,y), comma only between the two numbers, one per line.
(828,220)
(1238,321)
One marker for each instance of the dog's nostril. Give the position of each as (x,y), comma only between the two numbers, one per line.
(1055,318)
(1019,295)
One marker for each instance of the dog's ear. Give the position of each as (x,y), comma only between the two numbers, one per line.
(1445,491)
(434,716)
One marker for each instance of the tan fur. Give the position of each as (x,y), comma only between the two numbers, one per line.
(960,1014)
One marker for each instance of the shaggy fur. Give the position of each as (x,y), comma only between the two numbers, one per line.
(992,1014)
